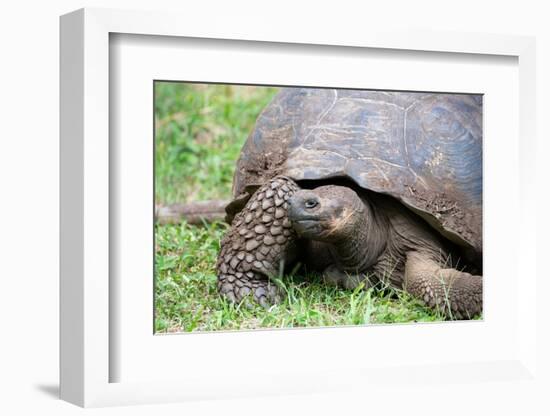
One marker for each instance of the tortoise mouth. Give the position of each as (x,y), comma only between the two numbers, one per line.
(307,226)
(304,218)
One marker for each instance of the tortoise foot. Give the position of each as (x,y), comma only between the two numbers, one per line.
(332,275)
(238,286)
(259,245)
(458,295)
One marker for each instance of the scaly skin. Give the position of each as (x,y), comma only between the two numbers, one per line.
(360,238)
(458,295)
(259,240)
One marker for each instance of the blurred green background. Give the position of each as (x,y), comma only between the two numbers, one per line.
(200,130)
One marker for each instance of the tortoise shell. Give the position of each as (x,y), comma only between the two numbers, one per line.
(424,149)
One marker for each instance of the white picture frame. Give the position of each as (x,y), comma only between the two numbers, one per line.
(87,355)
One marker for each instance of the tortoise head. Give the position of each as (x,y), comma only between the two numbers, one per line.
(328,213)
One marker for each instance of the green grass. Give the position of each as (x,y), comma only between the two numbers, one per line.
(187,300)
(200,130)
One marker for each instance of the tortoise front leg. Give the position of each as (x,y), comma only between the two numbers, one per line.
(259,243)
(458,295)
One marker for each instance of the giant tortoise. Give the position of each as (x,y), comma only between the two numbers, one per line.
(363,187)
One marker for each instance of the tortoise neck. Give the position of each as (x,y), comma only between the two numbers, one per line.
(362,249)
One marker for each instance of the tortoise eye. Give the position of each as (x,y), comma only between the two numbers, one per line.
(311,203)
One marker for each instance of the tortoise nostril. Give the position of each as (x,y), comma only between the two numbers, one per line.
(310,203)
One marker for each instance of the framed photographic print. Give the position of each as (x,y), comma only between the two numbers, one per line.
(315,214)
